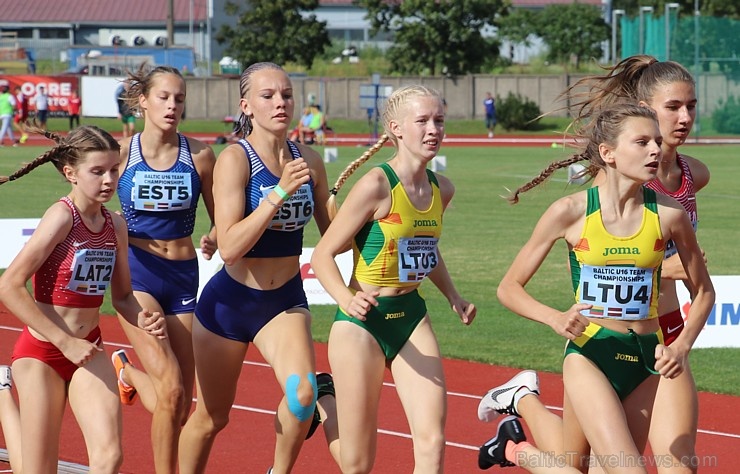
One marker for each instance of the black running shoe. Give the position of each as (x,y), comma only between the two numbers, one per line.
(494,451)
(325,385)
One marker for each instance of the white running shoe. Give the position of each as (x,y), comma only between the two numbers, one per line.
(503,400)
(6,380)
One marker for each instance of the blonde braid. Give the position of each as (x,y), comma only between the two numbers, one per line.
(331,204)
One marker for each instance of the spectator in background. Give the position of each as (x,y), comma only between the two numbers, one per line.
(31,61)
(315,131)
(42,107)
(73,109)
(303,124)
(7,108)
(490,106)
(21,113)
(125,113)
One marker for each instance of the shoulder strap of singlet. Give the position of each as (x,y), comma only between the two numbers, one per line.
(592,200)
(184,155)
(685,168)
(255,164)
(650,199)
(390,174)
(134,151)
(432,177)
(75,215)
(294,152)
(107,215)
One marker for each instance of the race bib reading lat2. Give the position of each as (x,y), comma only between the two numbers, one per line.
(91,271)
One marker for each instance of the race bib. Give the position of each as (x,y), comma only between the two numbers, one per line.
(161,191)
(91,271)
(417,257)
(616,292)
(670,246)
(295,212)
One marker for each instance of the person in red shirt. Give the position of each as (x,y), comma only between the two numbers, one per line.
(73,109)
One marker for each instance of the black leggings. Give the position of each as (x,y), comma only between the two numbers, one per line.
(72,119)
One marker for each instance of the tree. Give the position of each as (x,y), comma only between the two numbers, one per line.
(518,27)
(276,31)
(572,30)
(432,37)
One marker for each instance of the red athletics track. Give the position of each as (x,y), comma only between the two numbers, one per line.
(245,446)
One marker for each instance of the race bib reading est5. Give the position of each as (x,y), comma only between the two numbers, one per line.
(161,191)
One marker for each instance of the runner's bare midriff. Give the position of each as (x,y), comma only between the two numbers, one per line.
(178,249)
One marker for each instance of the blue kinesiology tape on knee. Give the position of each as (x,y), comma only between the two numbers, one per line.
(301,412)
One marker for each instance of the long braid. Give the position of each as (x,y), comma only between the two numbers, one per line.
(52,155)
(69,150)
(331,204)
(50,135)
(547,172)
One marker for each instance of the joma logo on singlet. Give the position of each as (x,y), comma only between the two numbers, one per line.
(425,223)
(626,357)
(395,315)
(621,251)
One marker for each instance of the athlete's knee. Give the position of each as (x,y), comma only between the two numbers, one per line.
(106,460)
(171,398)
(360,463)
(208,422)
(429,445)
(301,397)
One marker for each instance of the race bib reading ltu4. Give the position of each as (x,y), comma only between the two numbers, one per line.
(616,292)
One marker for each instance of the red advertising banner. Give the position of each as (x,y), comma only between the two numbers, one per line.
(58,88)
